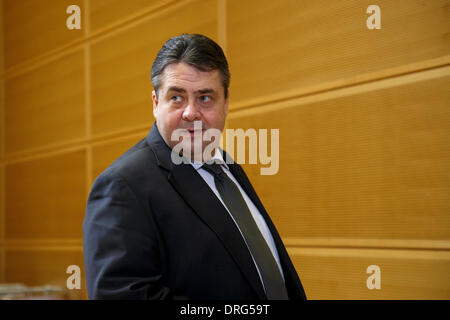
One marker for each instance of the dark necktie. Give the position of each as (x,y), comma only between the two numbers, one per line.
(232,197)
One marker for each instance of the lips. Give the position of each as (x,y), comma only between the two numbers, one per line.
(193,131)
(196,133)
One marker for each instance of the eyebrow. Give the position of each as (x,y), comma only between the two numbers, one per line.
(176,89)
(206,90)
(200,91)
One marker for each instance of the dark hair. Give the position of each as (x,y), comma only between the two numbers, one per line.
(196,50)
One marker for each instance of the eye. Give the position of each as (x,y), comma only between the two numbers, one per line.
(176,98)
(205,99)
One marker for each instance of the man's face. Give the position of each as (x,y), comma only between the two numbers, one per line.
(185,95)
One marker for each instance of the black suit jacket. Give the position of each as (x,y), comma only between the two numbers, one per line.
(155,230)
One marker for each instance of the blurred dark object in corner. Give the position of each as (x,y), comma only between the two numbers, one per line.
(18,291)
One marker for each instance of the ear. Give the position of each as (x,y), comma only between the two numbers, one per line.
(155,102)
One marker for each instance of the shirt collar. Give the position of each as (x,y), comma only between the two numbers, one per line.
(217,158)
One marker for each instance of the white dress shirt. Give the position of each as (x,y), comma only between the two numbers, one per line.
(260,222)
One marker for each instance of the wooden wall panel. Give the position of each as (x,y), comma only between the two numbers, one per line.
(363,175)
(121,85)
(105,154)
(36,27)
(275,46)
(2,265)
(46,198)
(374,164)
(45,266)
(2,126)
(2,116)
(46,105)
(2,202)
(340,273)
(105,12)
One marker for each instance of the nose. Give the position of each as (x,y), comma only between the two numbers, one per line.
(191,113)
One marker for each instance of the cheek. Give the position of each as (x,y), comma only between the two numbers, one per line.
(168,121)
(172,119)
(215,119)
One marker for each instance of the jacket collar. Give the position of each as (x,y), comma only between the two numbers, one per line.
(160,148)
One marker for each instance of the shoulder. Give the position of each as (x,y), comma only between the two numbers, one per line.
(132,168)
(132,161)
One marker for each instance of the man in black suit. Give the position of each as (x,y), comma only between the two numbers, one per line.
(156,228)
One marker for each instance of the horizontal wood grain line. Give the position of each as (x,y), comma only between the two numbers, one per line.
(42,241)
(51,55)
(74,145)
(42,244)
(364,78)
(335,93)
(361,243)
(305,243)
(43,248)
(375,254)
(134,19)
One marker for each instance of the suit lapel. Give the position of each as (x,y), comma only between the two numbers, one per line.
(197,194)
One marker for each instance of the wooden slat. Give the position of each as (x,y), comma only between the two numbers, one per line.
(75,145)
(2,119)
(35,27)
(2,201)
(45,106)
(43,244)
(121,85)
(46,197)
(2,92)
(276,46)
(2,265)
(39,267)
(373,164)
(330,273)
(315,242)
(380,76)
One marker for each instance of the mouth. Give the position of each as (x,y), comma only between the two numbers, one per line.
(193,132)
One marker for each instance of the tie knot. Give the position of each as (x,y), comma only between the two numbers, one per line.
(214,169)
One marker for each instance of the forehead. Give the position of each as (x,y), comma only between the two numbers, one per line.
(188,77)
